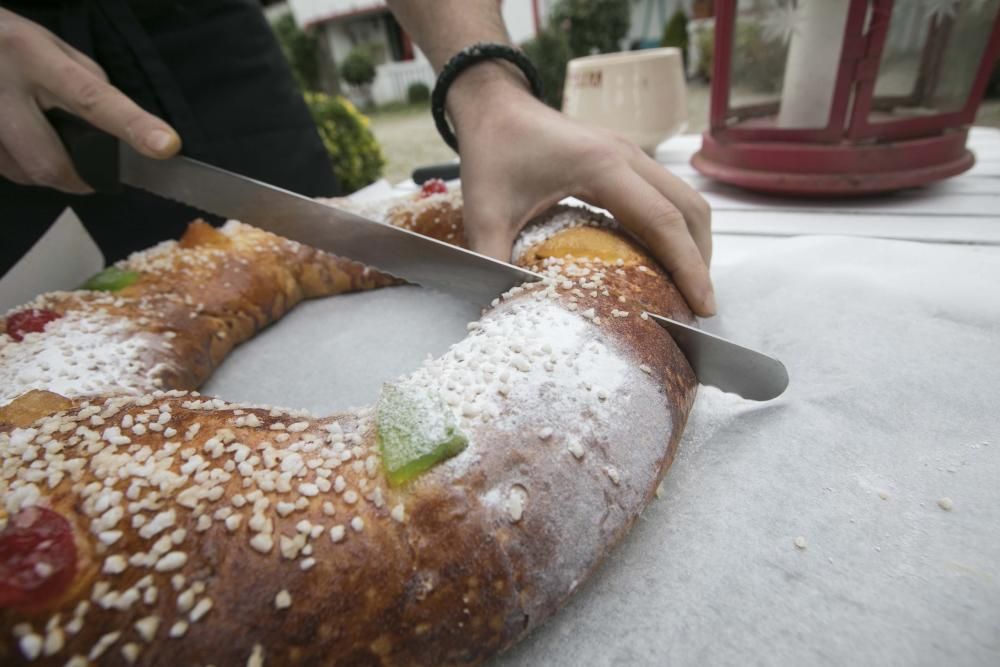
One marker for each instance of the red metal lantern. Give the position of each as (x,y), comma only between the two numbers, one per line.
(843,97)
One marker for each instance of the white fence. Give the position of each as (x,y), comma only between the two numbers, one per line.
(393,79)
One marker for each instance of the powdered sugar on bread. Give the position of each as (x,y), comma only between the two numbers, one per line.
(85,352)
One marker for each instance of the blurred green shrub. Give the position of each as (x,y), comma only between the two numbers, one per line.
(705,43)
(358,68)
(356,155)
(575,28)
(301,49)
(758,62)
(592,26)
(675,34)
(418,93)
(549,51)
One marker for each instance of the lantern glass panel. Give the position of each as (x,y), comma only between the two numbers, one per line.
(759,52)
(931,57)
(785,58)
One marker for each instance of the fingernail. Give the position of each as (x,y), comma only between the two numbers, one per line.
(710,303)
(159,141)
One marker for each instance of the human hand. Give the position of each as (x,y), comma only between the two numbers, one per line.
(39,71)
(519,157)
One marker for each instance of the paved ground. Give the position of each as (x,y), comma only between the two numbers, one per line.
(989,113)
(409,139)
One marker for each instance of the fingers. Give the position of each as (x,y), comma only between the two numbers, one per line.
(68,84)
(696,211)
(81,58)
(10,169)
(647,213)
(38,155)
(492,244)
(39,71)
(487,228)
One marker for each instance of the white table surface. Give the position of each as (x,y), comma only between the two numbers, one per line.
(887,313)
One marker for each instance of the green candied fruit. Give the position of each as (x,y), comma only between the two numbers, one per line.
(110,279)
(416,430)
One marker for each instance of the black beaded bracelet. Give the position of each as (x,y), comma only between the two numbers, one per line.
(466,58)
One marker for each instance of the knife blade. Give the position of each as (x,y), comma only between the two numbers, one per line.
(419,259)
(105,164)
(726,365)
(400,252)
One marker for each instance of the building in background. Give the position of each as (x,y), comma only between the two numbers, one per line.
(343,25)
(648,18)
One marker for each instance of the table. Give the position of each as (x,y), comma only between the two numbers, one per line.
(887,313)
(965,209)
(893,348)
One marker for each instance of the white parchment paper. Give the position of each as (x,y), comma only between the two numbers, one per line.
(332,354)
(63,258)
(893,349)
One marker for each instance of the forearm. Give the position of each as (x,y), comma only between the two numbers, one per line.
(520,157)
(442,28)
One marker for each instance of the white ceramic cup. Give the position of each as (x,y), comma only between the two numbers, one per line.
(639,94)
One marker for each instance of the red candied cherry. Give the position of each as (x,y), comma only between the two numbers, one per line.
(37,558)
(434,186)
(28,321)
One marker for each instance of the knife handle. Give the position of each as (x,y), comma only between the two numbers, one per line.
(94,153)
(447,171)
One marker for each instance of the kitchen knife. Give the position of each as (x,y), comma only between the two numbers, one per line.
(416,258)
(446,171)
(726,365)
(105,163)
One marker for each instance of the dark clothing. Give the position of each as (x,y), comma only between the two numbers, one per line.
(213,70)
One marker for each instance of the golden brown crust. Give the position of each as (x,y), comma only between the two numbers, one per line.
(31,407)
(195,300)
(252,280)
(448,569)
(437,215)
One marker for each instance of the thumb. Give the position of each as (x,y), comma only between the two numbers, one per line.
(488,228)
(492,243)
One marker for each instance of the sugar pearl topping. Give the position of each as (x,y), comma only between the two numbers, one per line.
(85,352)
(152,470)
(155,494)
